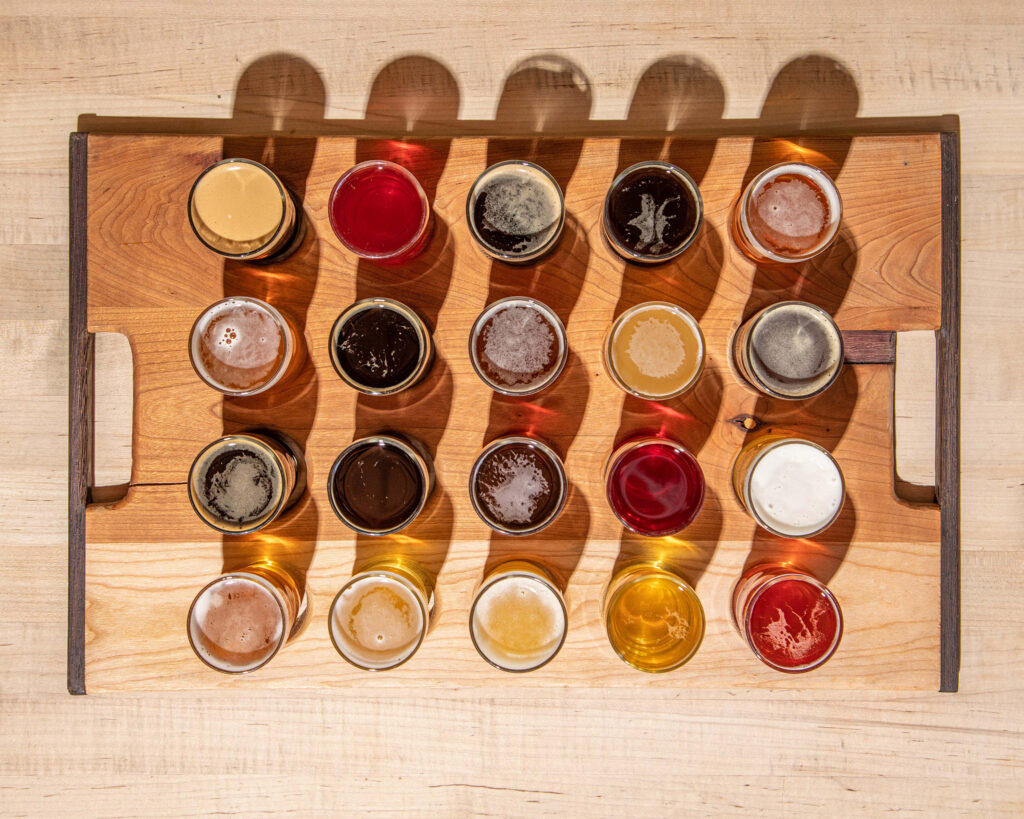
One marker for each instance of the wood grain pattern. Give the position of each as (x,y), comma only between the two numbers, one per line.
(882,275)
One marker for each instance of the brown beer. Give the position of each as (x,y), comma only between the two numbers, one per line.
(243,346)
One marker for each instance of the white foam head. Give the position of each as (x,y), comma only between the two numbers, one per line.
(236,624)
(795,488)
(518,622)
(377,621)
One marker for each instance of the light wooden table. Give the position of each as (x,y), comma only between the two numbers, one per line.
(537,751)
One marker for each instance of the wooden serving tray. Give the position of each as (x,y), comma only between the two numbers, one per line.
(136,269)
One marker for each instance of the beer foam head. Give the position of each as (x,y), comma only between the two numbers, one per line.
(517,486)
(518,622)
(520,202)
(238,206)
(236,624)
(377,621)
(792,210)
(518,346)
(656,349)
(795,349)
(238,483)
(795,489)
(240,346)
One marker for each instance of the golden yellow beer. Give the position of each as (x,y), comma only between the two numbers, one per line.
(654,619)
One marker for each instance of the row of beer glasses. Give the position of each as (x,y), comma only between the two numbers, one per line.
(515,211)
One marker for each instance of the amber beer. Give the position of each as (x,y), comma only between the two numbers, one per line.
(243,346)
(790,212)
(239,209)
(379,618)
(241,483)
(790,350)
(518,620)
(238,622)
(654,619)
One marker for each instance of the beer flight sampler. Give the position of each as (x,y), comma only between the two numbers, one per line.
(482,412)
(518,485)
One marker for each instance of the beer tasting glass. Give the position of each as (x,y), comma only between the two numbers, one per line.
(652,212)
(654,486)
(790,620)
(788,213)
(242,346)
(244,482)
(240,210)
(379,484)
(790,350)
(655,351)
(518,620)
(379,618)
(515,211)
(238,622)
(654,619)
(518,485)
(379,212)
(789,486)
(518,346)
(380,346)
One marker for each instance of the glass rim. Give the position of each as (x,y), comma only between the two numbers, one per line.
(614,592)
(553,459)
(286,359)
(392,575)
(503,256)
(751,468)
(646,258)
(241,574)
(251,254)
(758,317)
(748,234)
(616,327)
(408,175)
(553,320)
(418,325)
(421,461)
(803,577)
(615,458)
(257,442)
(540,575)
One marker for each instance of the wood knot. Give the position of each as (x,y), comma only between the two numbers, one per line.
(747,423)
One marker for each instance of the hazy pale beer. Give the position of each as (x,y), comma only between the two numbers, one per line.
(655,351)
(789,486)
(239,209)
(241,483)
(380,346)
(790,350)
(243,346)
(238,622)
(654,619)
(518,620)
(380,616)
(518,346)
(789,212)
(790,620)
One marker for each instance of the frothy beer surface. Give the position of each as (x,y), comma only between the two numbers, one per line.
(237,624)
(239,345)
(518,622)
(239,207)
(377,622)
(794,349)
(796,489)
(793,624)
(517,210)
(517,486)
(656,350)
